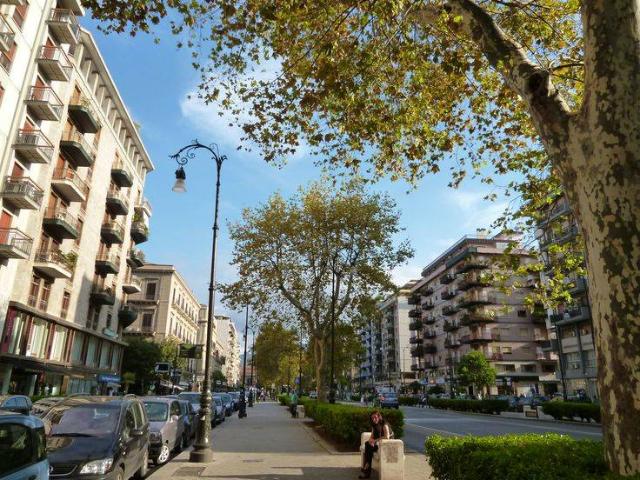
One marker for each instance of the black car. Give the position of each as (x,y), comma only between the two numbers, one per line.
(104,438)
(16,403)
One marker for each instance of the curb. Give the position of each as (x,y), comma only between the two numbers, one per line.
(321,441)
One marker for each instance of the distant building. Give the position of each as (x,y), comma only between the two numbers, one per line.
(217,348)
(228,337)
(456,310)
(167,308)
(571,325)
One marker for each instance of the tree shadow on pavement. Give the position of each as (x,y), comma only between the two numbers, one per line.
(319,473)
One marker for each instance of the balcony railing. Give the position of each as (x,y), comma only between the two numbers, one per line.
(429,319)
(22,192)
(14,243)
(430,334)
(61,223)
(415,313)
(477,298)
(473,263)
(121,175)
(560,236)
(64,26)
(473,279)
(447,278)
(414,300)
(451,325)
(108,263)
(428,305)
(55,63)
(33,146)
(112,231)
(478,316)
(55,264)
(77,148)
(83,115)
(136,258)
(44,103)
(449,310)
(477,337)
(139,232)
(6,35)
(70,185)
(117,202)
(415,325)
(103,294)
(145,207)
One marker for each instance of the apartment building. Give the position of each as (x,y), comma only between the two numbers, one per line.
(167,308)
(386,360)
(228,337)
(570,324)
(456,309)
(72,210)
(217,348)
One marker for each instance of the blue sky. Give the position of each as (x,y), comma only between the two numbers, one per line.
(155,81)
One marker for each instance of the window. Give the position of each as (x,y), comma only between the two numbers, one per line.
(77,348)
(20,14)
(16,445)
(115,358)
(44,296)
(150,293)
(105,353)
(34,291)
(6,58)
(175,409)
(58,344)
(37,343)
(95,320)
(109,317)
(92,350)
(507,350)
(129,422)
(138,415)
(66,298)
(147,320)
(522,313)
(17,333)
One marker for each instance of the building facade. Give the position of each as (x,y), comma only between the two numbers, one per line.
(456,310)
(228,337)
(167,309)
(570,324)
(217,349)
(72,209)
(386,359)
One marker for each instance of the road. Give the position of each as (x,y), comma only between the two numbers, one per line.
(423,422)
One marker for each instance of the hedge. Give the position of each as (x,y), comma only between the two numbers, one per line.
(571,410)
(478,406)
(517,457)
(409,401)
(345,423)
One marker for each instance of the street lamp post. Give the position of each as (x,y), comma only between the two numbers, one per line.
(242,410)
(253,354)
(202,452)
(332,390)
(300,363)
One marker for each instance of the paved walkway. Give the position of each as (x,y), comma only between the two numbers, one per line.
(270,445)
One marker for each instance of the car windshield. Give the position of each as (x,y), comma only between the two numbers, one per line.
(86,420)
(157,411)
(389,395)
(193,398)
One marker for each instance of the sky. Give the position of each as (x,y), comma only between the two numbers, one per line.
(155,81)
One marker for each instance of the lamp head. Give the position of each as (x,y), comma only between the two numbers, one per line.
(180,185)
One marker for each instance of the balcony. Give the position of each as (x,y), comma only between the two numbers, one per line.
(22,192)
(473,263)
(428,305)
(451,362)
(473,279)
(476,298)
(112,232)
(448,294)
(144,207)
(74,5)
(14,244)
(136,259)
(474,338)
(449,310)
(560,236)
(477,317)
(120,175)
(415,325)
(559,209)
(33,146)
(430,348)
(6,35)
(107,263)
(427,291)
(430,334)
(127,315)
(417,351)
(60,223)
(44,104)
(117,202)
(430,365)
(414,300)
(76,148)
(429,320)
(139,232)
(572,315)
(69,185)
(417,368)
(55,264)
(415,313)
(450,326)
(415,340)
(63,25)
(451,343)
(103,295)
(17,3)
(131,285)
(54,63)
(447,278)
(579,286)
(83,115)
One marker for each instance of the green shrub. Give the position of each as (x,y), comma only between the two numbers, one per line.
(517,457)
(284,399)
(409,401)
(477,406)
(355,397)
(345,423)
(571,410)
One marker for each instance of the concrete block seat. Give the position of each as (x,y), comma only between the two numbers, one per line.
(388,461)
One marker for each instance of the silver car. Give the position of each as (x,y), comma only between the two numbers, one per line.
(167,428)
(221,410)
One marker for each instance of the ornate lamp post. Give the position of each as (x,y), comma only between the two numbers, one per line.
(242,411)
(202,452)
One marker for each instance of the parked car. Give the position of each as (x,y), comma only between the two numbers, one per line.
(16,403)
(313,395)
(388,400)
(190,419)
(98,437)
(228,403)
(22,447)
(167,428)
(235,396)
(42,406)
(220,411)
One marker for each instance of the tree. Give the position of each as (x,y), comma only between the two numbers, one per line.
(169,352)
(394,87)
(138,362)
(475,370)
(315,257)
(218,376)
(276,353)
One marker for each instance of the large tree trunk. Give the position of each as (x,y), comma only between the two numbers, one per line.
(318,358)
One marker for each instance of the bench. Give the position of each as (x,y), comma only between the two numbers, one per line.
(388,461)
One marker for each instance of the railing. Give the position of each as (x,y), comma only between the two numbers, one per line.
(108,257)
(33,137)
(62,215)
(72,135)
(23,186)
(15,238)
(70,175)
(6,32)
(48,95)
(56,54)
(116,194)
(106,289)
(65,260)
(62,15)
(40,304)
(144,205)
(114,225)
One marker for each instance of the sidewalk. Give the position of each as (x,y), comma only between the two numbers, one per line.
(270,445)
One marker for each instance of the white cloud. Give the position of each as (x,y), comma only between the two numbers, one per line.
(474,211)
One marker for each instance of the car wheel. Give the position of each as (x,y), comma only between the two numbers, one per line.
(119,474)
(163,456)
(144,468)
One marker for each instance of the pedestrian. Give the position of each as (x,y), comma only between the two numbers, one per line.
(380,430)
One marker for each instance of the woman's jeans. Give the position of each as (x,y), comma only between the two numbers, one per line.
(369,450)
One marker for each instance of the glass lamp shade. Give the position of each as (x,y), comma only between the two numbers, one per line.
(179,186)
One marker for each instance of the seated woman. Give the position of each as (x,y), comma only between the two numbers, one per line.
(379,431)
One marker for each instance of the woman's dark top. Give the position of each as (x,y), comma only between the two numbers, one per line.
(378,430)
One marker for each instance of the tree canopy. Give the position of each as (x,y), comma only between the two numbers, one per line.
(475,370)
